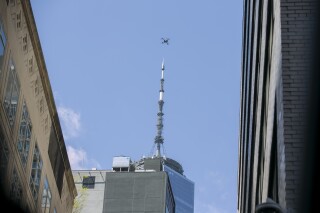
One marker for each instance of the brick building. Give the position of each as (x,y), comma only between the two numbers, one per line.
(276,67)
(35,173)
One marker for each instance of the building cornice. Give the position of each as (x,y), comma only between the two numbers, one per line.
(34,37)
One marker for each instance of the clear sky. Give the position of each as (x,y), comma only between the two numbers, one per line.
(104,62)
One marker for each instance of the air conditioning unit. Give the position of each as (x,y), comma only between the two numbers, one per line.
(121,164)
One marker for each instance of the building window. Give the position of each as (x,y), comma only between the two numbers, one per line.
(25,43)
(46,197)
(30,65)
(41,105)
(36,86)
(12,3)
(3,42)
(46,124)
(88,182)
(24,137)
(54,210)
(56,159)
(18,20)
(36,172)
(4,156)
(16,189)
(12,94)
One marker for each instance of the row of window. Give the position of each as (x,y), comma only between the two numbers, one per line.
(10,104)
(16,192)
(23,144)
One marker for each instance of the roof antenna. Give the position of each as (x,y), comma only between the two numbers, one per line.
(159,139)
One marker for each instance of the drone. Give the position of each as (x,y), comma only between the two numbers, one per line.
(165,41)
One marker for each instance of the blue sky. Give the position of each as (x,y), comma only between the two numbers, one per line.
(104,62)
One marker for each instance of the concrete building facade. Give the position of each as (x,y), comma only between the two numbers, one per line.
(146,186)
(137,192)
(126,192)
(276,63)
(34,166)
(90,186)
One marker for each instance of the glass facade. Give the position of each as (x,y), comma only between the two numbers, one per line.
(12,94)
(183,191)
(36,172)
(170,204)
(46,197)
(24,138)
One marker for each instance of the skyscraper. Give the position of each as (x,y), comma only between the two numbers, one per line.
(35,171)
(276,67)
(152,184)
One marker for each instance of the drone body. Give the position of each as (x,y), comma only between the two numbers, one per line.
(165,41)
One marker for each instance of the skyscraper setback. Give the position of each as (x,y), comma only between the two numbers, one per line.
(152,184)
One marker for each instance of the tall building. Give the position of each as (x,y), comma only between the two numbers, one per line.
(35,172)
(276,66)
(124,188)
(149,185)
(152,184)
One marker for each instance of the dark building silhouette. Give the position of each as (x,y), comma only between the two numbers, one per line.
(279,90)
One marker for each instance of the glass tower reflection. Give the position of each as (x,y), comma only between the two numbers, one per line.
(183,191)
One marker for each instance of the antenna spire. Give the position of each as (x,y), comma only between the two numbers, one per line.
(159,139)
